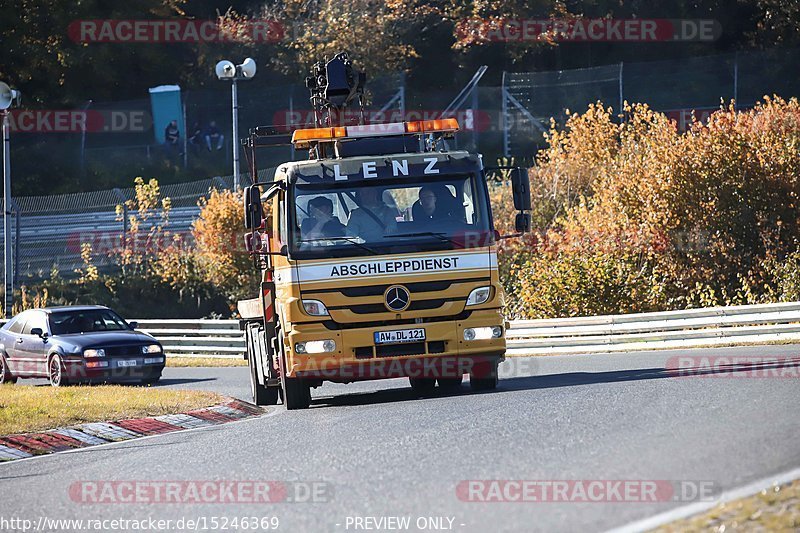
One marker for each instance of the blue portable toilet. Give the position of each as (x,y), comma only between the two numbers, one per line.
(166,103)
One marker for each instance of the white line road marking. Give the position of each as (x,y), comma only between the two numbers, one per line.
(699,507)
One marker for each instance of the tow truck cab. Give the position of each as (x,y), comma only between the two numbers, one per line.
(375,265)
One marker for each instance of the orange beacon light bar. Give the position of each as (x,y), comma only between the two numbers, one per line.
(302,138)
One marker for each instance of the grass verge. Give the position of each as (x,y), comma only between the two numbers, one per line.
(26,408)
(775,509)
(185,362)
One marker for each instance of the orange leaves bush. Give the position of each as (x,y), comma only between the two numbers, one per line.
(657,219)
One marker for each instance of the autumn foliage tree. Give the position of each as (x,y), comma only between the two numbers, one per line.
(658,219)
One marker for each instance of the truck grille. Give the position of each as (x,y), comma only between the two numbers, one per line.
(394,350)
(376,292)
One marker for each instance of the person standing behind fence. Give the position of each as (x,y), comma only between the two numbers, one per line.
(172,137)
(214,135)
(196,137)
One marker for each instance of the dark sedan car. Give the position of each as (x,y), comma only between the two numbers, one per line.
(77,344)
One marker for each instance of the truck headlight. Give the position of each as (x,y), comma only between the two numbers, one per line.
(327,345)
(479,296)
(92,352)
(482,334)
(315,308)
(151,348)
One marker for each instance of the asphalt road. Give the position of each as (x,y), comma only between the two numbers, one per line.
(382,452)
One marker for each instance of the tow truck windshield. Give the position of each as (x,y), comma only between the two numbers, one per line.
(412,214)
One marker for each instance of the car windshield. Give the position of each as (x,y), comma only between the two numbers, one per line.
(86,321)
(407,215)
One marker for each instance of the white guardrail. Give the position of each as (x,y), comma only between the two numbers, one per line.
(693,328)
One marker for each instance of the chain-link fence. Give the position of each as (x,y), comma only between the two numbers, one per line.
(676,87)
(48,231)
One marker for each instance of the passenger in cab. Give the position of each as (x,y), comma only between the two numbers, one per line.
(434,204)
(372,219)
(321,223)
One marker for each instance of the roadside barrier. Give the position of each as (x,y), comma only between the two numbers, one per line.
(692,328)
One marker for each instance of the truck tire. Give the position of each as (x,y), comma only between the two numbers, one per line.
(450,384)
(262,395)
(423,386)
(295,392)
(483,379)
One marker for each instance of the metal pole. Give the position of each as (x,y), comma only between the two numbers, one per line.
(735,80)
(288,126)
(83,140)
(475,116)
(621,99)
(504,117)
(185,139)
(17,226)
(235,140)
(9,280)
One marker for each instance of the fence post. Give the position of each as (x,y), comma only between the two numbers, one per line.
(291,117)
(124,204)
(735,80)
(475,116)
(504,115)
(15,252)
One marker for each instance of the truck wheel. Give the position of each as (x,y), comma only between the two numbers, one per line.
(295,392)
(422,386)
(262,395)
(483,379)
(450,384)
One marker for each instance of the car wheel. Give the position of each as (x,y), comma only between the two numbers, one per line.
(423,386)
(152,379)
(56,371)
(450,384)
(5,373)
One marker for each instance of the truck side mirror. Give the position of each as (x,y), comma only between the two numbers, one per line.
(522,224)
(252,207)
(521,189)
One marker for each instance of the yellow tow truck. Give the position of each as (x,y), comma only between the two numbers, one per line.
(377,255)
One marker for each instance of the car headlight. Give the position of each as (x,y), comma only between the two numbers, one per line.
(327,345)
(92,352)
(315,308)
(151,348)
(479,296)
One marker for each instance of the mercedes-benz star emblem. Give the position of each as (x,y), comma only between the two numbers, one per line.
(396,298)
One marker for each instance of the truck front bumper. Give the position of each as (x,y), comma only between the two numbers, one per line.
(445,353)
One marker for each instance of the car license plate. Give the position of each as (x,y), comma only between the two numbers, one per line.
(399,336)
(126,363)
